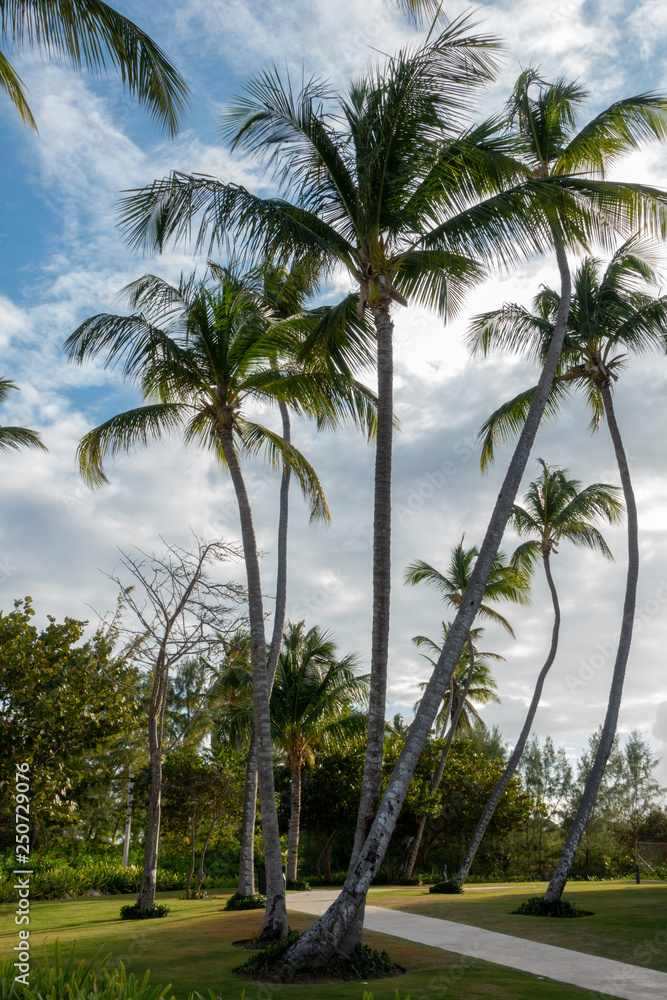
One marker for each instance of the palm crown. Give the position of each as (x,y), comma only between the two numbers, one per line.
(611,315)
(200,352)
(481,689)
(555,507)
(507,582)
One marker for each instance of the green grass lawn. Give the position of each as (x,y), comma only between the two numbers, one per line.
(192,949)
(629,922)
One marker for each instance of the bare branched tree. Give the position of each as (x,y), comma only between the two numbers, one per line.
(177,611)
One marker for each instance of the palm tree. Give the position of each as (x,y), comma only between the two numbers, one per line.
(384,185)
(283,293)
(555,508)
(91,34)
(312,706)
(481,690)
(16,437)
(199,352)
(611,312)
(505,583)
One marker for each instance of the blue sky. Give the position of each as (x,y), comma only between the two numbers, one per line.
(63,260)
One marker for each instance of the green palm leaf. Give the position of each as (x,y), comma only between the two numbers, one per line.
(90,34)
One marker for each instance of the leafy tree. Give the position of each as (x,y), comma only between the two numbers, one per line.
(555,508)
(611,311)
(16,437)
(91,34)
(198,790)
(60,703)
(330,798)
(453,808)
(547,778)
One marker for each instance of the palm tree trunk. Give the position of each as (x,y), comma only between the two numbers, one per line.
(246,858)
(201,874)
(513,762)
(442,763)
(294,819)
(247,852)
(589,795)
(324,938)
(128,819)
(146,896)
(372,777)
(275,917)
(193,852)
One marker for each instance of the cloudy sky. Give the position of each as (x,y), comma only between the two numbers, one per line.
(63,260)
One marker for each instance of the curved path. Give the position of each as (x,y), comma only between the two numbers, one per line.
(615,979)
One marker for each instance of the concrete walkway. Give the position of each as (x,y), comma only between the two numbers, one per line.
(616,979)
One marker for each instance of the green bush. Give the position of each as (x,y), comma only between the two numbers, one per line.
(449,887)
(297,884)
(71,980)
(240,902)
(134,912)
(363,962)
(537,906)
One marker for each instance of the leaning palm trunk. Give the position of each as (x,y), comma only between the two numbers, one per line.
(513,762)
(372,777)
(442,763)
(559,878)
(156,708)
(275,919)
(295,819)
(322,940)
(246,857)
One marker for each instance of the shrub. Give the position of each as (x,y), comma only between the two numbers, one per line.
(134,912)
(240,902)
(450,887)
(368,963)
(297,884)
(410,881)
(69,980)
(537,906)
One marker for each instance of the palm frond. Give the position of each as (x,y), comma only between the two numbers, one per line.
(256,438)
(507,421)
(91,34)
(617,130)
(12,84)
(14,438)
(122,433)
